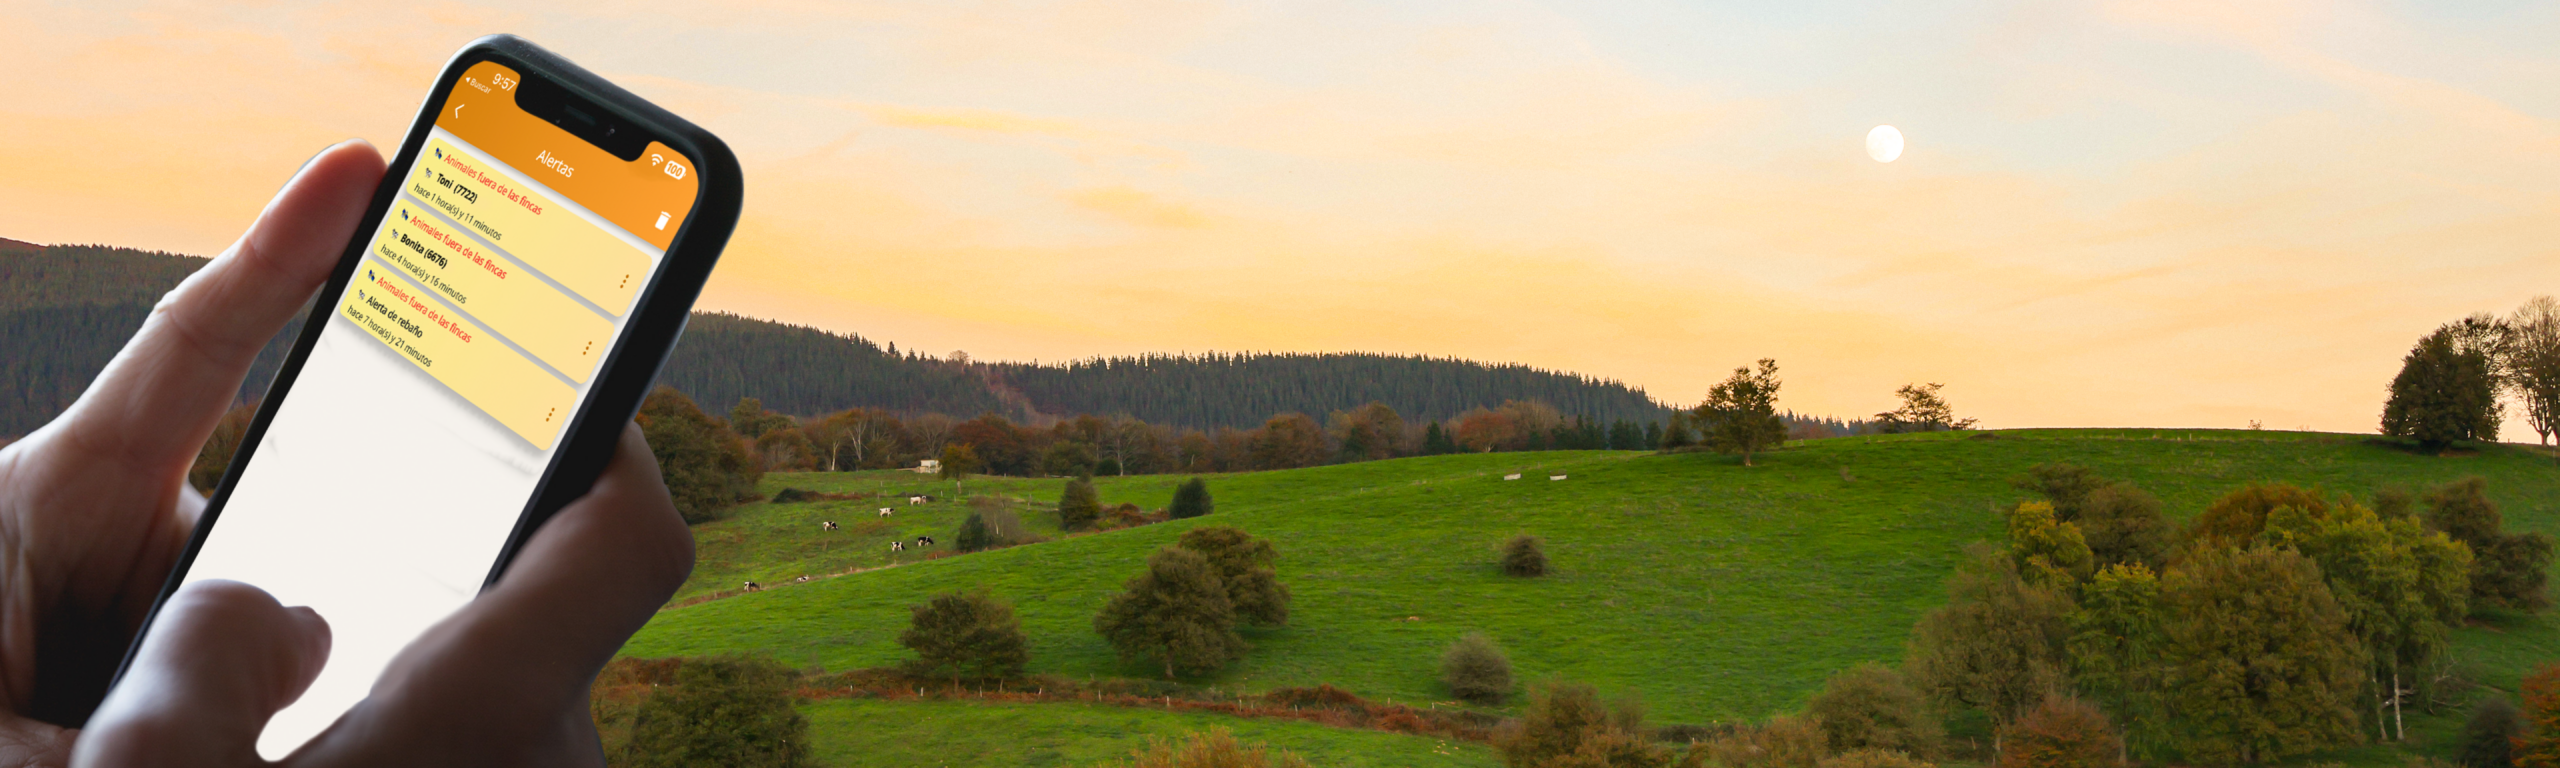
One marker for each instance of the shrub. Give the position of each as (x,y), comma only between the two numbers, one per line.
(973,535)
(965,636)
(1079,506)
(1524,555)
(1872,707)
(1871,758)
(720,711)
(1564,718)
(794,496)
(1190,500)
(1476,670)
(2488,738)
(2063,732)
(1217,748)
(1783,742)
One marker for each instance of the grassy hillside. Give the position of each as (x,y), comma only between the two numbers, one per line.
(945,733)
(1714,591)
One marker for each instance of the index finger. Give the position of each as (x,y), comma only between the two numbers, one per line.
(157,400)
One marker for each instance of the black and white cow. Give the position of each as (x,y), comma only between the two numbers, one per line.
(826,525)
(897,546)
(924,541)
(753,587)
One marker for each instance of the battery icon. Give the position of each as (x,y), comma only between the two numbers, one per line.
(662,219)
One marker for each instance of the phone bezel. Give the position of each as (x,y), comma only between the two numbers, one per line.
(629,368)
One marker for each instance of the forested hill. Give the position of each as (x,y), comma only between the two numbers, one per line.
(1243,390)
(65,310)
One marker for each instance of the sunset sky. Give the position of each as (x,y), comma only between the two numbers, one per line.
(2109,214)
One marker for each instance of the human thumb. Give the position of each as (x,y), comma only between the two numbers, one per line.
(220,659)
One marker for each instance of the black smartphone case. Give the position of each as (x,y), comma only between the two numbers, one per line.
(629,368)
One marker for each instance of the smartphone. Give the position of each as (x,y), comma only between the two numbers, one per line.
(526,265)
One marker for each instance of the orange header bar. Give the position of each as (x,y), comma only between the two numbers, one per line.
(633,195)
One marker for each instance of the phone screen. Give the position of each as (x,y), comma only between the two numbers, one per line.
(416,430)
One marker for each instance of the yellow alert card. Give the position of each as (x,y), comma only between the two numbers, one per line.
(459,353)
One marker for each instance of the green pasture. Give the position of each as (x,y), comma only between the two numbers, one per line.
(959,734)
(1713,591)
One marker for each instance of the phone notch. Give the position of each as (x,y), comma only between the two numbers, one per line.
(557,105)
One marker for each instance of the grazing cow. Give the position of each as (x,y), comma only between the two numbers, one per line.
(752,587)
(827,525)
(1512,476)
(917,500)
(1555,477)
(897,546)
(803,579)
(884,511)
(924,541)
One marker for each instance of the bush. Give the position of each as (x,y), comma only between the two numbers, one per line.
(973,535)
(1190,500)
(1783,742)
(706,467)
(1218,748)
(1872,707)
(1079,506)
(1524,555)
(965,636)
(1871,758)
(1476,670)
(2063,732)
(2488,738)
(1564,719)
(794,496)
(720,711)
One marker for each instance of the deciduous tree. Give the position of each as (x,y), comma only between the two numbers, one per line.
(2538,746)
(1176,612)
(1922,410)
(1287,441)
(2263,663)
(1872,706)
(2533,365)
(1741,414)
(1997,645)
(2446,391)
(2507,569)
(706,466)
(2062,732)
(965,636)
(2047,551)
(721,711)
(1245,566)
(2125,524)
(2402,587)
(2116,646)
(959,461)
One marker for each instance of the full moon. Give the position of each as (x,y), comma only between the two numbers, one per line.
(1884,143)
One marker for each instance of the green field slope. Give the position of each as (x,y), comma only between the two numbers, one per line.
(848,732)
(1715,591)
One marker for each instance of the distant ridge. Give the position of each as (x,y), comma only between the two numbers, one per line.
(66,309)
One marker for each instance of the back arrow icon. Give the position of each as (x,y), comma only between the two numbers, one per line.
(457,111)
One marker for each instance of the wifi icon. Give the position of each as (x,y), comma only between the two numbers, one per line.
(655,158)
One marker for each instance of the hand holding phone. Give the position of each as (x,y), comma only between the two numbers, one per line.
(499,445)
(94,508)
